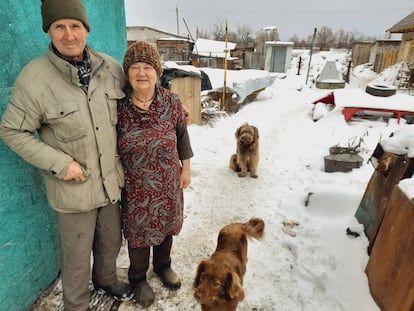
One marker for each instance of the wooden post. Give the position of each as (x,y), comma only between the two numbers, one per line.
(299,65)
(225,72)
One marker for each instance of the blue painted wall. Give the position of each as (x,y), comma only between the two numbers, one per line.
(29,245)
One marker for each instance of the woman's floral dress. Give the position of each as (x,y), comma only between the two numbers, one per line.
(151,145)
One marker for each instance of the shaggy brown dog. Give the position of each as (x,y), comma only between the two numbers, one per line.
(246,157)
(218,285)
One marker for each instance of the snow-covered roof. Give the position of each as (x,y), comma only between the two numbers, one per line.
(212,48)
(174,39)
(280,43)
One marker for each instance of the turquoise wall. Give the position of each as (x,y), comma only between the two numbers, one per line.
(29,246)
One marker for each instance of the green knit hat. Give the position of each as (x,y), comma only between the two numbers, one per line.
(52,10)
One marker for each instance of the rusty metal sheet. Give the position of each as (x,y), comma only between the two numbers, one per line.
(390,268)
(390,169)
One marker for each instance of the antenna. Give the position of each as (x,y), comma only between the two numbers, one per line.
(188,29)
(195,46)
(178,26)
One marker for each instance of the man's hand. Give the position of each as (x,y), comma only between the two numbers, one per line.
(74,172)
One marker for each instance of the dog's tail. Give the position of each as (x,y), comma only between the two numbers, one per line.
(254,228)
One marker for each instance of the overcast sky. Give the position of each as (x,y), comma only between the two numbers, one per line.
(368,17)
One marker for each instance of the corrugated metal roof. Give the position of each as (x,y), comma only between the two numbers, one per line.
(404,25)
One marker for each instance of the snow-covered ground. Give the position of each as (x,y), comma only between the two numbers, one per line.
(306,260)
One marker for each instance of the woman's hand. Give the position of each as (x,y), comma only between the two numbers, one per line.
(185,178)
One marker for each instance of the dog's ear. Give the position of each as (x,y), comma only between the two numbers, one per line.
(237,134)
(233,287)
(200,270)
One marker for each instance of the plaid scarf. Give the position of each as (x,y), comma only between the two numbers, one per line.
(83,66)
(84,69)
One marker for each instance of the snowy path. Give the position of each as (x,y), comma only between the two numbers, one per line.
(312,265)
(284,272)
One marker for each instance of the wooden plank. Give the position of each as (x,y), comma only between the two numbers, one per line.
(390,268)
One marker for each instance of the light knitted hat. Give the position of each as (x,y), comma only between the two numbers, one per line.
(141,51)
(52,10)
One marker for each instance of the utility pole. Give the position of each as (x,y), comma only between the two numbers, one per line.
(176,13)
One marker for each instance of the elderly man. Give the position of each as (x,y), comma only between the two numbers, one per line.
(69,97)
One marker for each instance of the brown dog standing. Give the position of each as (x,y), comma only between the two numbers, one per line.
(246,157)
(218,285)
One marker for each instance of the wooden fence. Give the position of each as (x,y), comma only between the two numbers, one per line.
(388,58)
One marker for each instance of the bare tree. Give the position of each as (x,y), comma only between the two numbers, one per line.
(339,38)
(342,39)
(245,34)
(260,41)
(325,38)
(296,41)
(232,36)
(202,33)
(218,31)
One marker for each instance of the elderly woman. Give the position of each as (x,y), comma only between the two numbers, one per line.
(155,149)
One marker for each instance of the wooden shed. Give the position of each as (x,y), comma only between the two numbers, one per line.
(175,49)
(388,52)
(247,57)
(361,52)
(170,46)
(406,28)
(384,53)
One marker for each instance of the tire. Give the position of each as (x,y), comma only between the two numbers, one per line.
(380,90)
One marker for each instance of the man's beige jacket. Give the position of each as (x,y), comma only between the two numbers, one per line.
(51,120)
